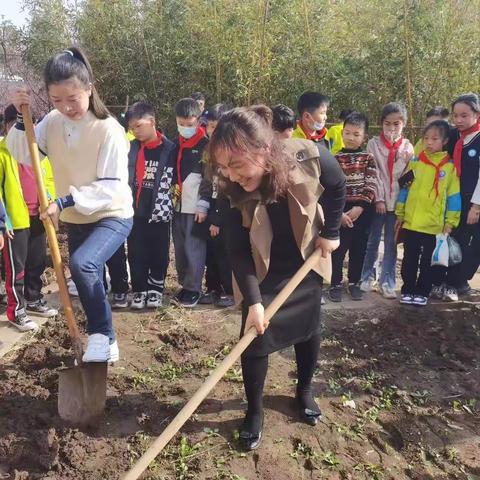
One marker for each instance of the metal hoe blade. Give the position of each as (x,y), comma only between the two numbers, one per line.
(82,393)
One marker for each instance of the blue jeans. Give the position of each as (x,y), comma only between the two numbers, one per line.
(379,223)
(90,246)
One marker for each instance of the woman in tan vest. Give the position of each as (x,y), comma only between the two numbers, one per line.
(88,151)
(274,187)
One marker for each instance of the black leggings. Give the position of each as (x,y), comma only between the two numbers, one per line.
(254,370)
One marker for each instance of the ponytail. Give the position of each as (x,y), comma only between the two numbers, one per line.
(73,63)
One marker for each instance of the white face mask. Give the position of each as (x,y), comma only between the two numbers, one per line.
(392,135)
(318,126)
(186,132)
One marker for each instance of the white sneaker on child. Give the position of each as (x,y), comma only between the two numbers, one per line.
(437,291)
(450,294)
(420,301)
(23,323)
(154,299)
(114,352)
(367,285)
(98,348)
(388,292)
(139,301)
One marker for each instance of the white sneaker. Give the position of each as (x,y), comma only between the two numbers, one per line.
(388,292)
(367,285)
(98,348)
(420,300)
(154,299)
(41,308)
(450,294)
(406,299)
(23,323)
(139,301)
(114,352)
(437,291)
(120,300)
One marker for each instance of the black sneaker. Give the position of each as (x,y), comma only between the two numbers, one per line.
(178,296)
(465,290)
(355,292)
(335,293)
(208,298)
(41,308)
(189,299)
(225,301)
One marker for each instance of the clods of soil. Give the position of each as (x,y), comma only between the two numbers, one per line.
(399,389)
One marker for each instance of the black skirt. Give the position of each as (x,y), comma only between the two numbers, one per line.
(297,320)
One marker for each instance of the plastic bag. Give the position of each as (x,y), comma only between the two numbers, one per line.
(454,252)
(440,255)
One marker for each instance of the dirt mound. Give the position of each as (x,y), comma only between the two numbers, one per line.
(399,390)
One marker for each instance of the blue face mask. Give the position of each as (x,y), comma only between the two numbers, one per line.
(318,126)
(186,132)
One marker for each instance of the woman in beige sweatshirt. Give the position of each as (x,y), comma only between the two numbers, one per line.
(88,151)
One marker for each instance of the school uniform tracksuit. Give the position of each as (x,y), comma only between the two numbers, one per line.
(149,241)
(195,196)
(25,254)
(432,201)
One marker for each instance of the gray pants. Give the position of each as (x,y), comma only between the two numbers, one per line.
(190,252)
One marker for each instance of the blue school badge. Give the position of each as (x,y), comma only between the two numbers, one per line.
(472,152)
(442,173)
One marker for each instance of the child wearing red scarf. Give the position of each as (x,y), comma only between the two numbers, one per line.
(429,206)
(193,197)
(464,147)
(312,109)
(151,168)
(392,153)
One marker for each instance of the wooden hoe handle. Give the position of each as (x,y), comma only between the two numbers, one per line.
(190,407)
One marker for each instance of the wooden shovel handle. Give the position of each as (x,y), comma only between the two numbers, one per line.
(185,413)
(51,235)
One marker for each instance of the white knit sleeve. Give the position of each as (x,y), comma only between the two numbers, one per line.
(17,141)
(111,189)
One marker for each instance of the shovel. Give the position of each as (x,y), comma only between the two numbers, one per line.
(159,444)
(82,390)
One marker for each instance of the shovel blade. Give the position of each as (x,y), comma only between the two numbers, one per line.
(82,393)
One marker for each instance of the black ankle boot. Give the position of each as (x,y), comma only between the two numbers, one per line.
(308,409)
(251,431)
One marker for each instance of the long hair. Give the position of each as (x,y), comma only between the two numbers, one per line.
(73,63)
(470,99)
(247,130)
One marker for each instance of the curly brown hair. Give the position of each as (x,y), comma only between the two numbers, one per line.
(248,129)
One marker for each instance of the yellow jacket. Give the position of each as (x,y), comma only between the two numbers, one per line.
(11,188)
(335,138)
(418,205)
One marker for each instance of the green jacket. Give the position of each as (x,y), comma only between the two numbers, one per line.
(418,205)
(11,188)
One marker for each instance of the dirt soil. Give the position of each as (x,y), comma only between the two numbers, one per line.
(399,389)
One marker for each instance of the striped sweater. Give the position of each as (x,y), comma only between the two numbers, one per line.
(361,173)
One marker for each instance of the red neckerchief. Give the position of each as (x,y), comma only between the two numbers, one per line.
(317,136)
(392,151)
(140,165)
(424,159)
(457,151)
(187,143)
